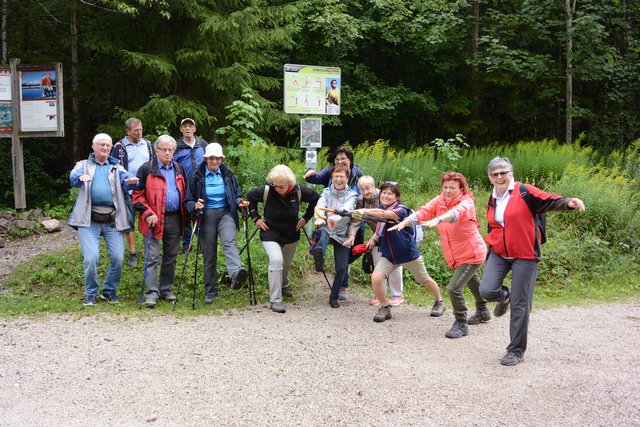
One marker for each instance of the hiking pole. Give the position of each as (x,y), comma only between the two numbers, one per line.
(184,266)
(252,283)
(146,263)
(195,271)
(310,247)
(224,275)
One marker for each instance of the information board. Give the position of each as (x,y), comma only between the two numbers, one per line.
(38,100)
(312,89)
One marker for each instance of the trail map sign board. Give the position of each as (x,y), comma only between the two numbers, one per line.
(311,133)
(311,89)
(38,100)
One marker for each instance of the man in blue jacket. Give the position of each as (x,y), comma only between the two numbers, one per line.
(189,153)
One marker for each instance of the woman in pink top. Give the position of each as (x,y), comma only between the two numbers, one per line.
(454,213)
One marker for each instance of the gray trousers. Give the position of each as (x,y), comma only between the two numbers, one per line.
(523,279)
(464,274)
(171,235)
(280,258)
(214,223)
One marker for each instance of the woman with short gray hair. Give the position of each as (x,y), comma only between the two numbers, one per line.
(514,241)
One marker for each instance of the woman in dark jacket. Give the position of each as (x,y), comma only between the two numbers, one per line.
(280,226)
(215,195)
(514,242)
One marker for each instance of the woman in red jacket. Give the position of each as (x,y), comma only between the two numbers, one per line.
(514,243)
(454,214)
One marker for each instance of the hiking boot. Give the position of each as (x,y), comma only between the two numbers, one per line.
(277,307)
(286,292)
(511,359)
(318,260)
(208,299)
(133,259)
(384,313)
(89,301)
(502,306)
(111,298)
(482,315)
(343,293)
(150,301)
(169,296)
(396,300)
(334,303)
(438,308)
(458,330)
(238,279)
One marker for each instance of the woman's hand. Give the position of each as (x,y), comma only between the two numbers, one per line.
(199,204)
(348,242)
(578,204)
(301,223)
(399,226)
(309,173)
(319,221)
(243,204)
(262,225)
(432,222)
(371,244)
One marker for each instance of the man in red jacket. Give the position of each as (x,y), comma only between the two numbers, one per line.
(159,199)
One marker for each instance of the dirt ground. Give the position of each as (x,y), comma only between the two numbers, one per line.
(319,366)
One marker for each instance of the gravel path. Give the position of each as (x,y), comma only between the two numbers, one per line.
(319,366)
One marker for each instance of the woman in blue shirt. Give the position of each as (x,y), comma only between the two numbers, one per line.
(215,195)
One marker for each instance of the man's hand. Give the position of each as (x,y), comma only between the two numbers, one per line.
(199,204)
(84,178)
(152,220)
(243,204)
(132,180)
(348,242)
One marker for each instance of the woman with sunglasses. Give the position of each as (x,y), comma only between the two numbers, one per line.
(280,226)
(398,248)
(514,240)
(454,214)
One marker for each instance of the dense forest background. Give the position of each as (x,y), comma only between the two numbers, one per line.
(495,71)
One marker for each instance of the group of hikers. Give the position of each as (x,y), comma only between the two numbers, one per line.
(183,188)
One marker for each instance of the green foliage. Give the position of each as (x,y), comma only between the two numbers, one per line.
(245,117)
(450,150)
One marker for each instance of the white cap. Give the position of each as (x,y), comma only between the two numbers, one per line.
(188,119)
(102,137)
(213,150)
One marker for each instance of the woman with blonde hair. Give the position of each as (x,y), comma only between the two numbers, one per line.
(280,226)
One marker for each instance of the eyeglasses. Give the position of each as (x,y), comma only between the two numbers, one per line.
(280,187)
(497,174)
(165,150)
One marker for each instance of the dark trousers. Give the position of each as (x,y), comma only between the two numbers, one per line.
(523,278)
(340,259)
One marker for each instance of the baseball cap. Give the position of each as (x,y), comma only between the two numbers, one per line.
(213,150)
(187,119)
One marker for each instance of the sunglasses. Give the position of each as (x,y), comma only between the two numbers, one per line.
(391,183)
(497,174)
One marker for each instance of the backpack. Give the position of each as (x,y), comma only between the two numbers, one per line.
(418,232)
(539,218)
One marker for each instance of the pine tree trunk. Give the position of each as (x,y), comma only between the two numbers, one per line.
(569,9)
(75,88)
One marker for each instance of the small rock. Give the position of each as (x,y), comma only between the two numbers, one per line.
(6,215)
(26,224)
(35,214)
(51,225)
(2,242)
(5,225)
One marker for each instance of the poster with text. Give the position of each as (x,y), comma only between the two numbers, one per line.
(38,101)
(6,122)
(311,89)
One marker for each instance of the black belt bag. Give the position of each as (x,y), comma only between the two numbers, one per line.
(103,214)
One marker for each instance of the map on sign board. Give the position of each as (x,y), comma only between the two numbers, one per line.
(311,89)
(311,133)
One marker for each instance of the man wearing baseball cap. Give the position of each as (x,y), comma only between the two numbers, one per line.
(189,153)
(215,194)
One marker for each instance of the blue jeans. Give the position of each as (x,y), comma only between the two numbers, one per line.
(90,246)
(340,259)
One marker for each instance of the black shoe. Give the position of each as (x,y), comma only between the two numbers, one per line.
(286,292)
(334,303)
(482,316)
(318,260)
(511,359)
(458,330)
(502,306)
(238,279)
